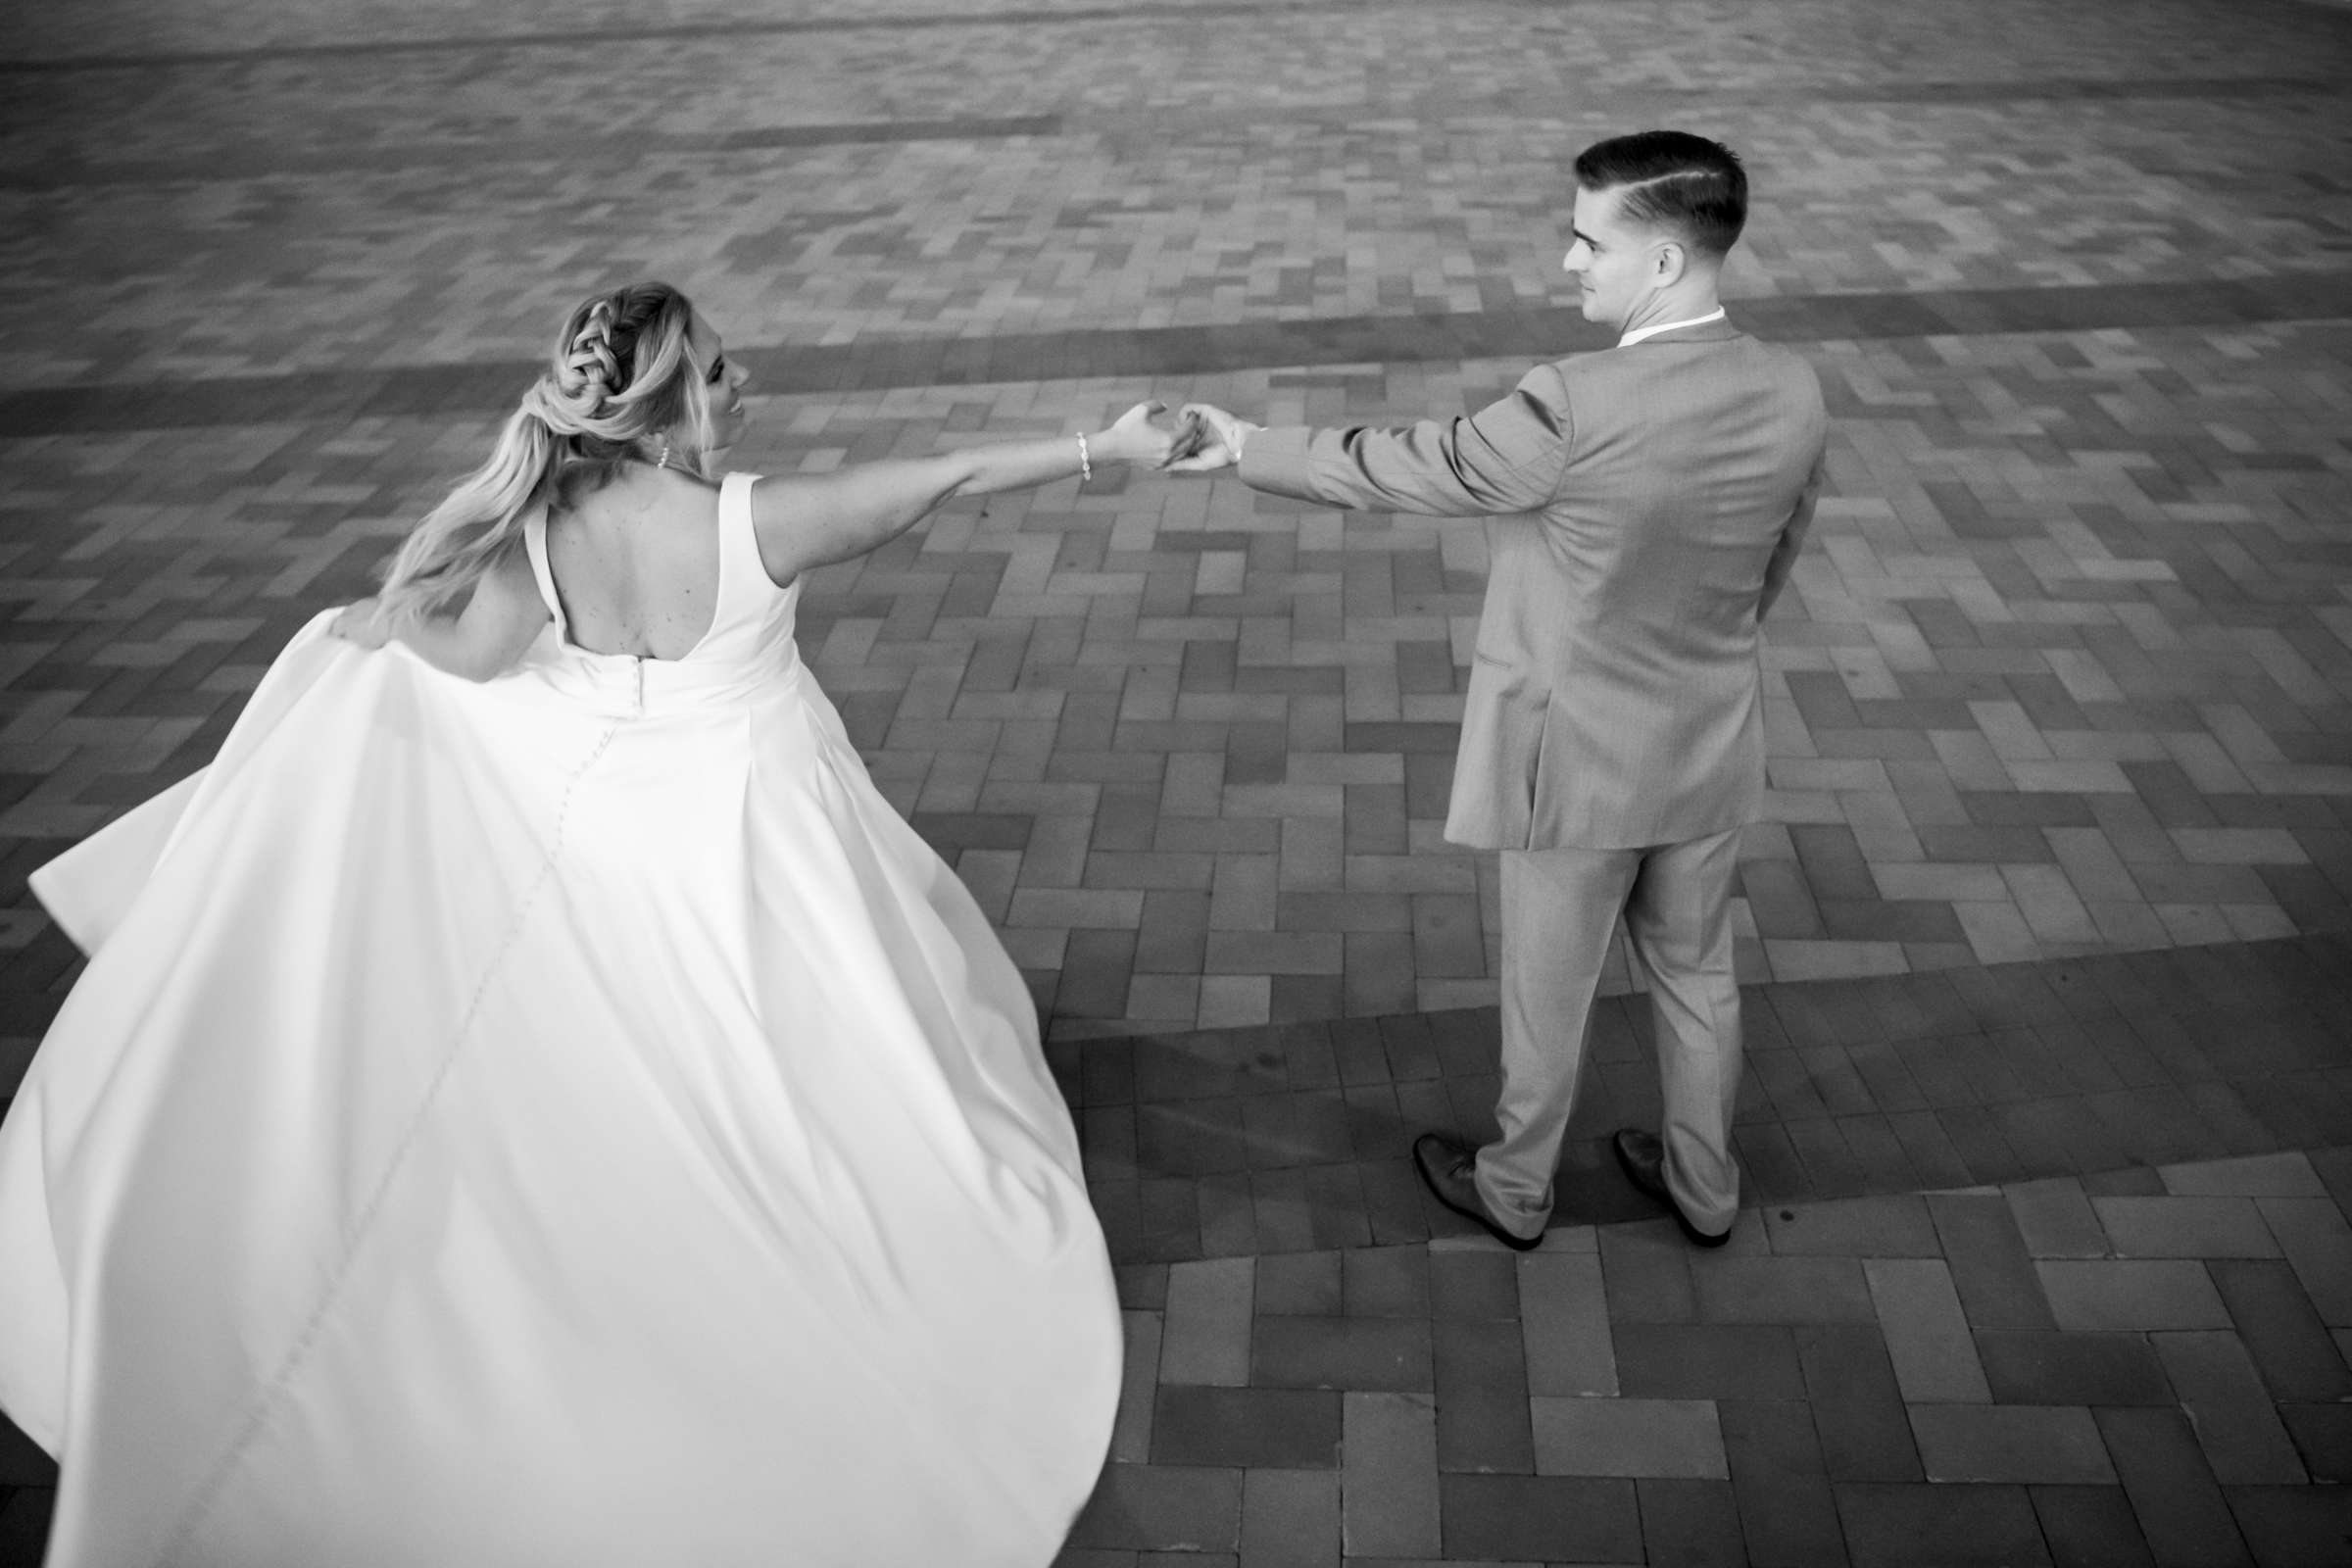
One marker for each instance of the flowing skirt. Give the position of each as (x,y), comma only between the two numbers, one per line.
(509,1124)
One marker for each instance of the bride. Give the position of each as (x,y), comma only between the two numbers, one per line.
(531,1100)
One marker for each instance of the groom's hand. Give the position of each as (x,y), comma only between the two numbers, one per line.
(1221,448)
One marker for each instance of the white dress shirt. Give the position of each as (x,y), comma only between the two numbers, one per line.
(1640,332)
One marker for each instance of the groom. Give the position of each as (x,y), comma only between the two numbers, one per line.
(1650,499)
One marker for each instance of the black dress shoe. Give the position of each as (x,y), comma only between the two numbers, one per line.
(1449,1172)
(1643,1159)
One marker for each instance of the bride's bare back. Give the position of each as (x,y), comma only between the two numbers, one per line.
(636,565)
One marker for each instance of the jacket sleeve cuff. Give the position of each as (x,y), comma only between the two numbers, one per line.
(1274,458)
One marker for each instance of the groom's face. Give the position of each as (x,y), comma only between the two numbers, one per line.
(1613,262)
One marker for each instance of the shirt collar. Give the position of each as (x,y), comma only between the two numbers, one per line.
(1640,332)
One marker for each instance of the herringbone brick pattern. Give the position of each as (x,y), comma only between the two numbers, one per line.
(1246,1142)
(2045,1257)
(1192,748)
(2033,1268)
(2066,670)
(2109,1352)
(2036,1373)
(444,205)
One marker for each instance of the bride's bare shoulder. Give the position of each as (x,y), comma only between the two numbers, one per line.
(643,504)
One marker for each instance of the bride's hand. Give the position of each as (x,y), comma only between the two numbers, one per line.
(1134,438)
(363,623)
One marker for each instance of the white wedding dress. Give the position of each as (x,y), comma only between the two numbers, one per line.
(564,1120)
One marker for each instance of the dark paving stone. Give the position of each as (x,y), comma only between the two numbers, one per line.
(1647,1274)
(1781,1290)
(1342,1353)
(2027,1367)
(1769,1163)
(1998,1285)
(1483,1413)
(1540,1519)
(1144,1287)
(1930,1149)
(1690,1524)
(1300,1284)
(1191,1139)
(2291,1348)
(1465,1285)
(1142,1507)
(1181,1067)
(1857,1407)
(2090,1527)
(1291,1429)
(1150,352)
(1885,1076)
(1879,1150)
(1892,1525)
(2294,1527)
(2180,1506)
(1787,1510)
(1707,1361)
(2322,1435)
(1386,1282)
(2136,1182)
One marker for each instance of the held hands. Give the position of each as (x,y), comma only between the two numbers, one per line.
(1204,439)
(1212,439)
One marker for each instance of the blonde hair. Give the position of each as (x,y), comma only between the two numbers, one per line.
(623,374)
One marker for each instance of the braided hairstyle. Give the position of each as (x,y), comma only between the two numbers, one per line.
(623,382)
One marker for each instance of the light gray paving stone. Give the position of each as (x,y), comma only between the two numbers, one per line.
(1892,1226)
(1291,1518)
(2132,1295)
(1204,1337)
(1130,1432)
(2056,1219)
(1564,1321)
(2185,1227)
(1389,1480)
(2282,1175)
(1927,1333)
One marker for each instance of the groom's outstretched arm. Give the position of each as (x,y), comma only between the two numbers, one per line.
(1509,457)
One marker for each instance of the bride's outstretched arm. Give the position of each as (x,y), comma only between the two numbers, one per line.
(815,520)
(481,640)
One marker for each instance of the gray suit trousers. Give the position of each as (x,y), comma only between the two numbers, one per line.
(1559,908)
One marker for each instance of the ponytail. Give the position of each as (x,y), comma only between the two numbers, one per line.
(623,374)
(465,535)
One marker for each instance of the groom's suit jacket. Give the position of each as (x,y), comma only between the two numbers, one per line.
(1641,496)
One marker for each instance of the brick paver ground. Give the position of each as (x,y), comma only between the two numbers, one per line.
(2046,1258)
(2035,1317)
(2066,673)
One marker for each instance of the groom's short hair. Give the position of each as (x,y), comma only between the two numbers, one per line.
(1686,184)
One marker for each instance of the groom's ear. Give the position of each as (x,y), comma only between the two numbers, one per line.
(1669,263)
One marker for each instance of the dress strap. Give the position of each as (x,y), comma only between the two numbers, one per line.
(534,542)
(744,571)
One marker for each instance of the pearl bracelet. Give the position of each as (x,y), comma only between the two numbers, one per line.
(1085,469)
